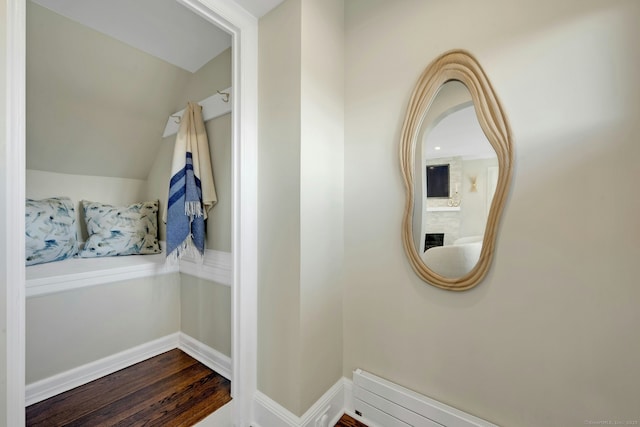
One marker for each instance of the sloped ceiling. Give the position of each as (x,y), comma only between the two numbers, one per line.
(95,106)
(99,91)
(162,28)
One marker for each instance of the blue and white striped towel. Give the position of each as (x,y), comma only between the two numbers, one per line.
(192,192)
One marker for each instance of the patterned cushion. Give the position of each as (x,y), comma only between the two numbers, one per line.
(130,230)
(50,230)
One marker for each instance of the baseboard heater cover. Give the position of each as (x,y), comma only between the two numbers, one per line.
(392,405)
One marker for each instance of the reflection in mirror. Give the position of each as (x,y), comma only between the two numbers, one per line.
(450,224)
(456,155)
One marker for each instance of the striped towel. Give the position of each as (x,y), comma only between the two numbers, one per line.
(192,192)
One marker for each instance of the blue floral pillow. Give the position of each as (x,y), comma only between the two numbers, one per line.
(130,230)
(50,230)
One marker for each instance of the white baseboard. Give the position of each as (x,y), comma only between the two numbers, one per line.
(331,403)
(206,355)
(65,381)
(269,413)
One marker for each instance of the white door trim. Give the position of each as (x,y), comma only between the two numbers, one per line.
(14,216)
(244,30)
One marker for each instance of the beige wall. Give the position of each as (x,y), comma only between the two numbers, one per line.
(549,337)
(321,196)
(214,75)
(69,329)
(279,205)
(205,312)
(219,220)
(3,207)
(301,129)
(95,106)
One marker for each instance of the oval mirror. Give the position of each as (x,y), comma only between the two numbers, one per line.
(456,159)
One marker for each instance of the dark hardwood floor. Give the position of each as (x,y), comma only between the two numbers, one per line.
(347,421)
(171,389)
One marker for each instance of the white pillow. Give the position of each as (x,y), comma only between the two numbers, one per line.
(113,230)
(50,231)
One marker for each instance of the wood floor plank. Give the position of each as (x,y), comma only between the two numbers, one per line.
(170,389)
(142,399)
(347,421)
(185,407)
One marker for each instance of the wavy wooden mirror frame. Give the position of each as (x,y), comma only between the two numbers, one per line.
(462,66)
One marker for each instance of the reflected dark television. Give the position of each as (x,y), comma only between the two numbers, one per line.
(438,181)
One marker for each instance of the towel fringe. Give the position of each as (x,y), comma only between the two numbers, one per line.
(193,209)
(186,249)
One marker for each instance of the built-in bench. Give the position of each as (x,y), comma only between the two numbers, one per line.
(75,273)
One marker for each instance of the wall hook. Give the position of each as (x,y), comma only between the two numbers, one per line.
(225,96)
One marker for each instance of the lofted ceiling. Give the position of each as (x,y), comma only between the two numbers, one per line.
(156,27)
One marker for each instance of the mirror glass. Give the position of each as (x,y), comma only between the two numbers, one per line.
(455,177)
(456,157)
